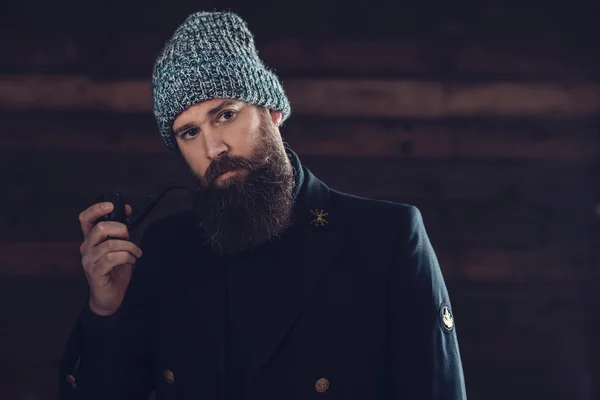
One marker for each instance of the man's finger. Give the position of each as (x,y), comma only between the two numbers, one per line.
(89,216)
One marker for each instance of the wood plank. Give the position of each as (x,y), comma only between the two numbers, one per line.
(42,341)
(35,215)
(560,138)
(430,57)
(533,182)
(39,382)
(38,215)
(132,55)
(591,289)
(54,215)
(566,263)
(557,263)
(552,381)
(576,139)
(326,97)
(46,298)
(502,322)
(40,258)
(574,19)
(527,203)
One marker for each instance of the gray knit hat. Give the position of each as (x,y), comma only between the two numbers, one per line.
(211,55)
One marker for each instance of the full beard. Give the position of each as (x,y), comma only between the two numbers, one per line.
(251,207)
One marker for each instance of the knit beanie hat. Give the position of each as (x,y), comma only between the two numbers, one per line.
(211,55)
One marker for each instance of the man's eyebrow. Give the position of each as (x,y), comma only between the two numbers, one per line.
(184,127)
(210,113)
(221,106)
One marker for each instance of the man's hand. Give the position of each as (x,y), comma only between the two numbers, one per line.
(107,257)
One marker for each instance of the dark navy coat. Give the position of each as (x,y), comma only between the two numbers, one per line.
(359,311)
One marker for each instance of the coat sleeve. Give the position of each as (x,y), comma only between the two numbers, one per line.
(424,357)
(109,357)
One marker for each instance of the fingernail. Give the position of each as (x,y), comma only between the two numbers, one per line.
(106,206)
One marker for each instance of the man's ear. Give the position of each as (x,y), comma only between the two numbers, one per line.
(276,117)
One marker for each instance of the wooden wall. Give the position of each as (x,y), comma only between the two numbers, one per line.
(485,116)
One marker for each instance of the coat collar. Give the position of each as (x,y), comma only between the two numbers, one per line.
(310,246)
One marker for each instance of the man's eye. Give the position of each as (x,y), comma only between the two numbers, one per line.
(191,133)
(226,116)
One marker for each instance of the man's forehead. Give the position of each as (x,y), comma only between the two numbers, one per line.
(207,105)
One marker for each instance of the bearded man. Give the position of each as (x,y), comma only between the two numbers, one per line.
(273,285)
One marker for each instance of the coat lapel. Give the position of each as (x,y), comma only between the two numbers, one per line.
(308,251)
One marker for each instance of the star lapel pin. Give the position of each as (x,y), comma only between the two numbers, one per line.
(320,220)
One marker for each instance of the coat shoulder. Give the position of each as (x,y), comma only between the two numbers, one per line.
(384,215)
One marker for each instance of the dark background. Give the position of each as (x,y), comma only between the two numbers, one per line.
(484,114)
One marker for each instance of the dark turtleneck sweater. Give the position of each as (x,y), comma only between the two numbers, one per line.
(246,277)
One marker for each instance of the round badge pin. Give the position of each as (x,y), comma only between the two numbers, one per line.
(447,318)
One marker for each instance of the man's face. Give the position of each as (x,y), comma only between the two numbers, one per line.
(243,177)
(211,129)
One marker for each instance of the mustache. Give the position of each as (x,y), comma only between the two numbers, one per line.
(225,164)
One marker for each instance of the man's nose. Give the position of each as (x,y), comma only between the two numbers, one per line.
(215,145)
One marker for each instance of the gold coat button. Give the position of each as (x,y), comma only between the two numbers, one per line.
(322,385)
(71,380)
(169,377)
